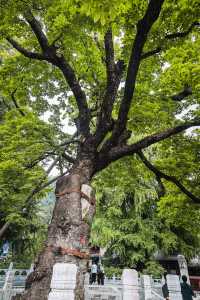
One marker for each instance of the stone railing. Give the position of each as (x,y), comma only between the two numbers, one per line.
(12,281)
(129,287)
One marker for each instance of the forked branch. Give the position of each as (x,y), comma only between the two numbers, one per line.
(124,150)
(25,52)
(143,28)
(114,72)
(50,55)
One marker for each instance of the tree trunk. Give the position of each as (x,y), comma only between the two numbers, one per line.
(4,228)
(68,230)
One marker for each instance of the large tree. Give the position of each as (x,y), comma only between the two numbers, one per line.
(120,71)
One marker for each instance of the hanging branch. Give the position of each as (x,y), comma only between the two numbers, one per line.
(160,174)
(99,47)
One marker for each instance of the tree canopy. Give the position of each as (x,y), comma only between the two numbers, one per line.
(126,76)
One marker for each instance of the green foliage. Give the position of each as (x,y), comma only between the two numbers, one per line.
(112,271)
(131,219)
(23,140)
(154,269)
(133,222)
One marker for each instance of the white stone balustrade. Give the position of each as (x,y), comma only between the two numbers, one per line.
(174,287)
(147,287)
(63,282)
(130,284)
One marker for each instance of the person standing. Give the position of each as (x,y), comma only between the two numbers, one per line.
(93,273)
(5,248)
(100,274)
(186,290)
(165,290)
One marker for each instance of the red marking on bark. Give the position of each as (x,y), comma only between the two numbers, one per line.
(68,251)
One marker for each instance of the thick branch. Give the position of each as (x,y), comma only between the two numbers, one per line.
(187,91)
(109,52)
(150,53)
(37,29)
(114,73)
(50,55)
(160,174)
(24,51)
(42,187)
(183,33)
(121,151)
(143,28)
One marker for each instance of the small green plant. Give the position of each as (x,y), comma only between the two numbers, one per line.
(154,269)
(111,271)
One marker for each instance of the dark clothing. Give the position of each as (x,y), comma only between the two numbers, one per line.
(100,278)
(94,275)
(186,291)
(165,291)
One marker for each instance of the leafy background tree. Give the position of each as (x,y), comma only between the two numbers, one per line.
(135,219)
(111,69)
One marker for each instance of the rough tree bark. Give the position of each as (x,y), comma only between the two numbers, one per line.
(67,231)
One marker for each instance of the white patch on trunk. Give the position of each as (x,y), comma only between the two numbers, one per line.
(87,190)
(63,282)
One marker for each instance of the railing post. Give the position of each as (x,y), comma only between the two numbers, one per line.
(130,284)
(63,282)
(147,287)
(7,288)
(174,287)
(183,266)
